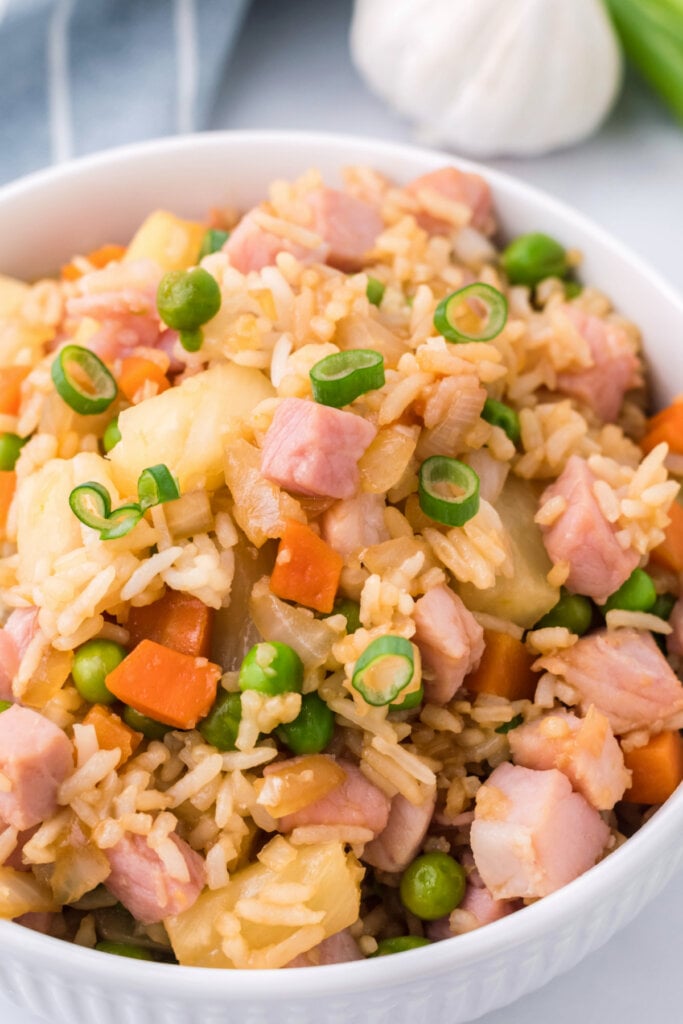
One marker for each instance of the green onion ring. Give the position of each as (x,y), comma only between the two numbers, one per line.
(156,485)
(102,391)
(385,668)
(495,304)
(341,377)
(91,504)
(498,414)
(121,521)
(452,511)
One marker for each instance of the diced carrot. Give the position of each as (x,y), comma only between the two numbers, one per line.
(11,379)
(307,570)
(505,668)
(669,553)
(135,371)
(98,258)
(173,688)
(657,769)
(667,426)
(112,732)
(179,621)
(8,484)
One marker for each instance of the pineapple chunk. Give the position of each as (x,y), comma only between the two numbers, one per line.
(171,242)
(323,883)
(184,427)
(22,893)
(526,595)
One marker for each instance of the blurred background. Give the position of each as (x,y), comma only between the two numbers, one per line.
(82,75)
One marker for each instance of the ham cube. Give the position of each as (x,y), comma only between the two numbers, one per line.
(399,842)
(583,749)
(17,634)
(581,536)
(460,187)
(354,802)
(625,675)
(341,948)
(349,226)
(35,758)
(314,450)
(484,909)
(615,368)
(146,886)
(355,523)
(251,247)
(450,639)
(531,834)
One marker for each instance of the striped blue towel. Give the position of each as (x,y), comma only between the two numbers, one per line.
(83,75)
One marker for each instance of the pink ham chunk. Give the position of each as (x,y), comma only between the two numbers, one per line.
(348,225)
(450,639)
(484,909)
(9,664)
(145,885)
(355,802)
(583,749)
(313,449)
(341,948)
(531,834)
(460,187)
(398,844)
(17,634)
(615,368)
(252,247)
(355,523)
(674,641)
(35,757)
(625,675)
(581,536)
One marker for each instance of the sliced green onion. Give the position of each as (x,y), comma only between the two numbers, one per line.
(156,485)
(509,726)
(460,317)
(121,521)
(340,378)
(5,705)
(111,435)
(213,241)
(10,449)
(498,414)
(384,669)
(452,510)
(375,291)
(91,504)
(82,380)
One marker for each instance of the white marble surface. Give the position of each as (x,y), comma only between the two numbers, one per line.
(292,70)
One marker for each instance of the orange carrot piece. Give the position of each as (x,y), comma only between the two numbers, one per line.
(669,554)
(11,379)
(98,258)
(8,484)
(657,769)
(505,668)
(667,426)
(172,688)
(112,732)
(179,621)
(135,371)
(307,570)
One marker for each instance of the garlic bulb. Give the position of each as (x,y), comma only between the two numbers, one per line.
(491,77)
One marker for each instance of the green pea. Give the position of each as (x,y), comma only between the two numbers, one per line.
(213,241)
(5,705)
(111,435)
(150,728)
(531,258)
(573,611)
(663,606)
(271,668)
(375,291)
(222,724)
(385,947)
(410,701)
(124,949)
(351,612)
(637,594)
(311,730)
(186,299)
(10,447)
(432,886)
(92,664)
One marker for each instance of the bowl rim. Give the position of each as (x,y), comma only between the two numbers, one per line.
(462,951)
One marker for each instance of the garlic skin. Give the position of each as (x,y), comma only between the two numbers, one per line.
(491,77)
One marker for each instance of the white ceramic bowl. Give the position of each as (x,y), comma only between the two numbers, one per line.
(49,216)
